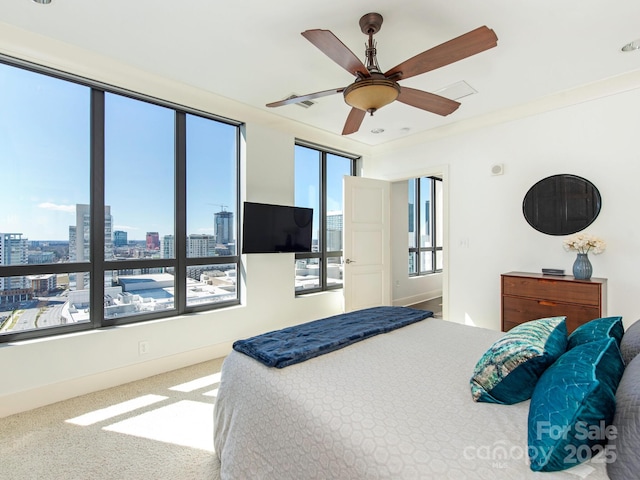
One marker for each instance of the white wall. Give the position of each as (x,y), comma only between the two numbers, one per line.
(43,371)
(488,235)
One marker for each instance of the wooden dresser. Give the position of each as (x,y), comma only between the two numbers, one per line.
(528,296)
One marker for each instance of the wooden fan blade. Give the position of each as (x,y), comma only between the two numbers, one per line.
(337,51)
(464,46)
(302,98)
(427,101)
(354,120)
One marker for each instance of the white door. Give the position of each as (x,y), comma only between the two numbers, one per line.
(367,270)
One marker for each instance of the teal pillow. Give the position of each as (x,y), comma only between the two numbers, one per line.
(508,371)
(572,406)
(598,329)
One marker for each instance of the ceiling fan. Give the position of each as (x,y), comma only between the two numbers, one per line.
(374,89)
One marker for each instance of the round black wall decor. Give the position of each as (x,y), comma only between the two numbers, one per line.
(561,204)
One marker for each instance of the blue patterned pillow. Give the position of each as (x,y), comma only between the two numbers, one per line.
(507,373)
(572,406)
(598,329)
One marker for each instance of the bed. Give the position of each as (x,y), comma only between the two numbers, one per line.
(393,406)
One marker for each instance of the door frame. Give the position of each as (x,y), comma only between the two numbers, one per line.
(443,171)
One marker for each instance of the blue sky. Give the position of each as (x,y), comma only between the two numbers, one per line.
(307,174)
(44,159)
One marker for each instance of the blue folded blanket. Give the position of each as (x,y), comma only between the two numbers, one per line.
(296,344)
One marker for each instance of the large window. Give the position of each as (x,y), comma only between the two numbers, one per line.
(425,225)
(116,208)
(318,185)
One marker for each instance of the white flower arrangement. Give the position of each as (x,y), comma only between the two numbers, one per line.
(583,243)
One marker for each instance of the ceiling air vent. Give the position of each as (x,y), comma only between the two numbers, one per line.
(456,90)
(306,103)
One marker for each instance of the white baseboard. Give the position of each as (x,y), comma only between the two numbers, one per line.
(27,400)
(413,299)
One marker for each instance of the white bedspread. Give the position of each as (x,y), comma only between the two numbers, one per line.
(396,406)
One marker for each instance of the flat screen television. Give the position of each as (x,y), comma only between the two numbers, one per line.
(270,228)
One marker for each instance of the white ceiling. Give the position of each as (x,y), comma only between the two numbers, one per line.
(252,51)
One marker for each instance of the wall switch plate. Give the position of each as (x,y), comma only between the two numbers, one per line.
(143,348)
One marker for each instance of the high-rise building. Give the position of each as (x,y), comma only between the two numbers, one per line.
(427,216)
(168,247)
(201,245)
(120,238)
(412,214)
(80,240)
(153,241)
(14,250)
(224,227)
(334,231)
(198,245)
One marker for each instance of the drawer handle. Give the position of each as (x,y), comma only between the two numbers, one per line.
(547,304)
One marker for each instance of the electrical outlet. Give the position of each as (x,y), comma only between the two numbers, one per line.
(143,348)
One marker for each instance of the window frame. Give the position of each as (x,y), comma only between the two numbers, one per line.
(98,265)
(323,255)
(418,250)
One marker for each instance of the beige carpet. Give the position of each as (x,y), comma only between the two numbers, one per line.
(157,428)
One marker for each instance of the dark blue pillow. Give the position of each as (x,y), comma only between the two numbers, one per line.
(598,329)
(572,405)
(507,373)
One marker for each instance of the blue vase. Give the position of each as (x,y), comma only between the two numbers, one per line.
(582,267)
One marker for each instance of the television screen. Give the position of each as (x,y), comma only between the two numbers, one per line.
(276,228)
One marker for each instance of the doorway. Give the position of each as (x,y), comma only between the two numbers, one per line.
(417,290)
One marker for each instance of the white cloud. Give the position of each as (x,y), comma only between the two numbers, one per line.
(56,207)
(125,227)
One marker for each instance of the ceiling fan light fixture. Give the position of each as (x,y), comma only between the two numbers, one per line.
(371,94)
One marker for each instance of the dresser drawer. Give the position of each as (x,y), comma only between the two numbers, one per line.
(518,310)
(553,290)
